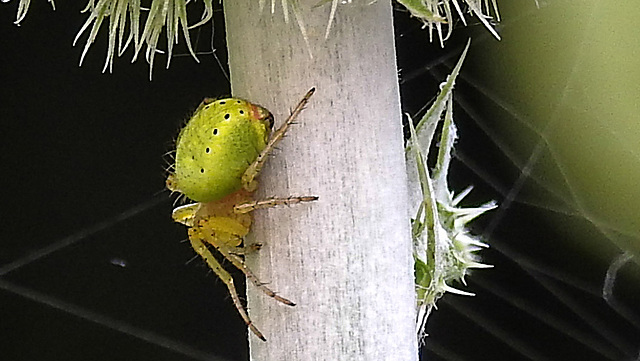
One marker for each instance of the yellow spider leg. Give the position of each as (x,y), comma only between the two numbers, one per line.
(270,203)
(185,214)
(204,252)
(225,226)
(239,263)
(249,177)
(225,233)
(243,250)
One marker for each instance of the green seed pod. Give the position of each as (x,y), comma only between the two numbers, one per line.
(219,142)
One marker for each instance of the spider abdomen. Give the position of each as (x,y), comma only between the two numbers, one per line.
(214,149)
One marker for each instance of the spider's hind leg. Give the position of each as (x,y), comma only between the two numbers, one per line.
(239,263)
(215,266)
(225,234)
(246,249)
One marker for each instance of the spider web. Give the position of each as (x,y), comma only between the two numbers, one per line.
(571,268)
(91,259)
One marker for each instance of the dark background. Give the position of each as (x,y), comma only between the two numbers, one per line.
(110,279)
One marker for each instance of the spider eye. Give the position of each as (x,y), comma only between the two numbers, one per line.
(269,120)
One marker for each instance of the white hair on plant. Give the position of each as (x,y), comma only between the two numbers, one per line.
(433,13)
(295,9)
(23,7)
(117,11)
(444,250)
(438,14)
(172,14)
(169,14)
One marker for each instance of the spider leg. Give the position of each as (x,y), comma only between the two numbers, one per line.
(247,249)
(204,252)
(271,202)
(226,230)
(225,234)
(249,177)
(185,214)
(239,263)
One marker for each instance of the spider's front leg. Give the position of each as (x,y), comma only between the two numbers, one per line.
(271,202)
(249,182)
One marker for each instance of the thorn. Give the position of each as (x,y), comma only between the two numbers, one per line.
(478,265)
(468,240)
(456,291)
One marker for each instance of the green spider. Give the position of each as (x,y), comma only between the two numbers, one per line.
(219,154)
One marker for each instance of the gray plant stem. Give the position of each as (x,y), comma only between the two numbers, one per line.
(346,259)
